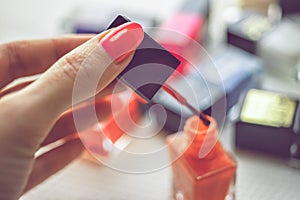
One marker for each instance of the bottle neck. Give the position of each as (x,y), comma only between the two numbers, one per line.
(203,141)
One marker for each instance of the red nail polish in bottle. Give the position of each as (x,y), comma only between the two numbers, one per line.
(202,169)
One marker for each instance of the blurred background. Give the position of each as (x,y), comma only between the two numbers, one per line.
(254,45)
(38,19)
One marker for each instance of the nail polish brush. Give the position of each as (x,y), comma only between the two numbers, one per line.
(167,88)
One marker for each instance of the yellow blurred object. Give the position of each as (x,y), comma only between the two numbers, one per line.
(260,5)
(268,108)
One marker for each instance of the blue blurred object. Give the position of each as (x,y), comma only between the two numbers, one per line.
(239,72)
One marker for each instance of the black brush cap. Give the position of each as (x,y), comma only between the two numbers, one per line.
(150,67)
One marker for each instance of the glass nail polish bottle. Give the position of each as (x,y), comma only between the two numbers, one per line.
(109,137)
(202,169)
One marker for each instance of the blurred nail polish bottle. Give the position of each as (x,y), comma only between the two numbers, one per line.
(202,169)
(109,137)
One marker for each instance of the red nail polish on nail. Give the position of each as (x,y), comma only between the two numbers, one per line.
(122,40)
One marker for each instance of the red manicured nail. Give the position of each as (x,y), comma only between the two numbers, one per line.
(122,40)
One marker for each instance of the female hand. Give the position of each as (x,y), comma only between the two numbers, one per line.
(35,115)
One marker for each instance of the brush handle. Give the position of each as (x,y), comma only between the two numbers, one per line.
(184,102)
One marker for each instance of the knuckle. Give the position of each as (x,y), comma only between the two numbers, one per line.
(71,68)
(71,65)
(16,65)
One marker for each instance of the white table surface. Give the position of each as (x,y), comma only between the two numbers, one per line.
(258,177)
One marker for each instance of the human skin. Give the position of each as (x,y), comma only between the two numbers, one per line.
(36,114)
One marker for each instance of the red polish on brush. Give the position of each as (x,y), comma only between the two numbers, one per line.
(184,102)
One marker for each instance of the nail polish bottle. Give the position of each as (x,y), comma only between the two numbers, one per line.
(202,169)
(108,138)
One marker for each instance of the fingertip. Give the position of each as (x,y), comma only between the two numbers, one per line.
(121,41)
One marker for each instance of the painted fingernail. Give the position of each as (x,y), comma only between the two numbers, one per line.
(121,41)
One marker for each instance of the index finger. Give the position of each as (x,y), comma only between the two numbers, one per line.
(24,58)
